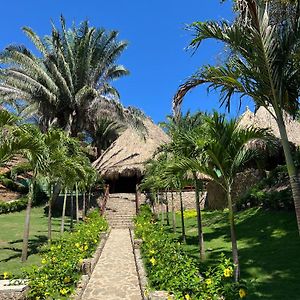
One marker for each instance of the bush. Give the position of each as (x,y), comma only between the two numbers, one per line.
(56,278)
(170,268)
(20,169)
(17,205)
(13,186)
(271,193)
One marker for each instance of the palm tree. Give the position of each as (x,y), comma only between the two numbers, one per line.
(36,153)
(182,146)
(263,64)
(225,154)
(69,84)
(104,132)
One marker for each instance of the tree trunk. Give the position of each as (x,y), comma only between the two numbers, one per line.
(62,226)
(294,179)
(50,214)
(72,211)
(83,205)
(182,218)
(173,213)
(137,199)
(76,202)
(162,211)
(234,246)
(167,209)
(27,222)
(56,192)
(89,200)
(199,219)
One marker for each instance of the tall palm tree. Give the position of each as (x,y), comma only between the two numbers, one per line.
(181,146)
(263,64)
(69,83)
(226,153)
(36,153)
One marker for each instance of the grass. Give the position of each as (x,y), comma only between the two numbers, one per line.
(11,234)
(269,248)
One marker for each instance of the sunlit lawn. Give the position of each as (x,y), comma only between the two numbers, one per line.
(269,248)
(11,234)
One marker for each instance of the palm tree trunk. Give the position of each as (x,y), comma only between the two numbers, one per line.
(76,202)
(83,204)
(199,219)
(89,200)
(234,246)
(173,213)
(50,213)
(294,179)
(182,218)
(167,209)
(72,211)
(62,226)
(162,211)
(27,222)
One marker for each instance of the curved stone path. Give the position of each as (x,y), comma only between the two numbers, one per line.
(115,276)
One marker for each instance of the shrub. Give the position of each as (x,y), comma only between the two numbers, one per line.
(17,205)
(170,268)
(271,193)
(56,278)
(10,184)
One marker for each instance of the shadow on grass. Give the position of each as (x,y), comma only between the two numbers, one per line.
(34,245)
(269,248)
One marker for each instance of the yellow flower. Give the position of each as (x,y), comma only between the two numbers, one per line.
(95,241)
(187,297)
(59,247)
(208,281)
(63,291)
(44,261)
(86,247)
(77,245)
(227,272)
(67,279)
(242,293)
(151,251)
(5,275)
(153,261)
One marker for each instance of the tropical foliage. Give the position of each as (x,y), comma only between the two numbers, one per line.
(267,69)
(56,278)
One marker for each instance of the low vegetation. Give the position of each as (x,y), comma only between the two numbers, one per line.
(268,242)
(56,278)
(170,268)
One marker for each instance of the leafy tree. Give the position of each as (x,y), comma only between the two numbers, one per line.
(263,64)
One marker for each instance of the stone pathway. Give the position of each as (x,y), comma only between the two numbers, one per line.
(115,276)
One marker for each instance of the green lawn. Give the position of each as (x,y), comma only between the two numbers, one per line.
(11,234)
(269,249)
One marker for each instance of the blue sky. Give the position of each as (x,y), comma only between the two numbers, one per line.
(156,56)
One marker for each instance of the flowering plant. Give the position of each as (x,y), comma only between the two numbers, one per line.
(59,272)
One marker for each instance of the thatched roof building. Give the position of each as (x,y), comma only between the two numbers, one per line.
(263,119)
(122,164)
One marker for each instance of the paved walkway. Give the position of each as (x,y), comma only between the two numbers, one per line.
(115,276)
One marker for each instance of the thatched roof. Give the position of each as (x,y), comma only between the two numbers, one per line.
(263,119)
(128,154)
